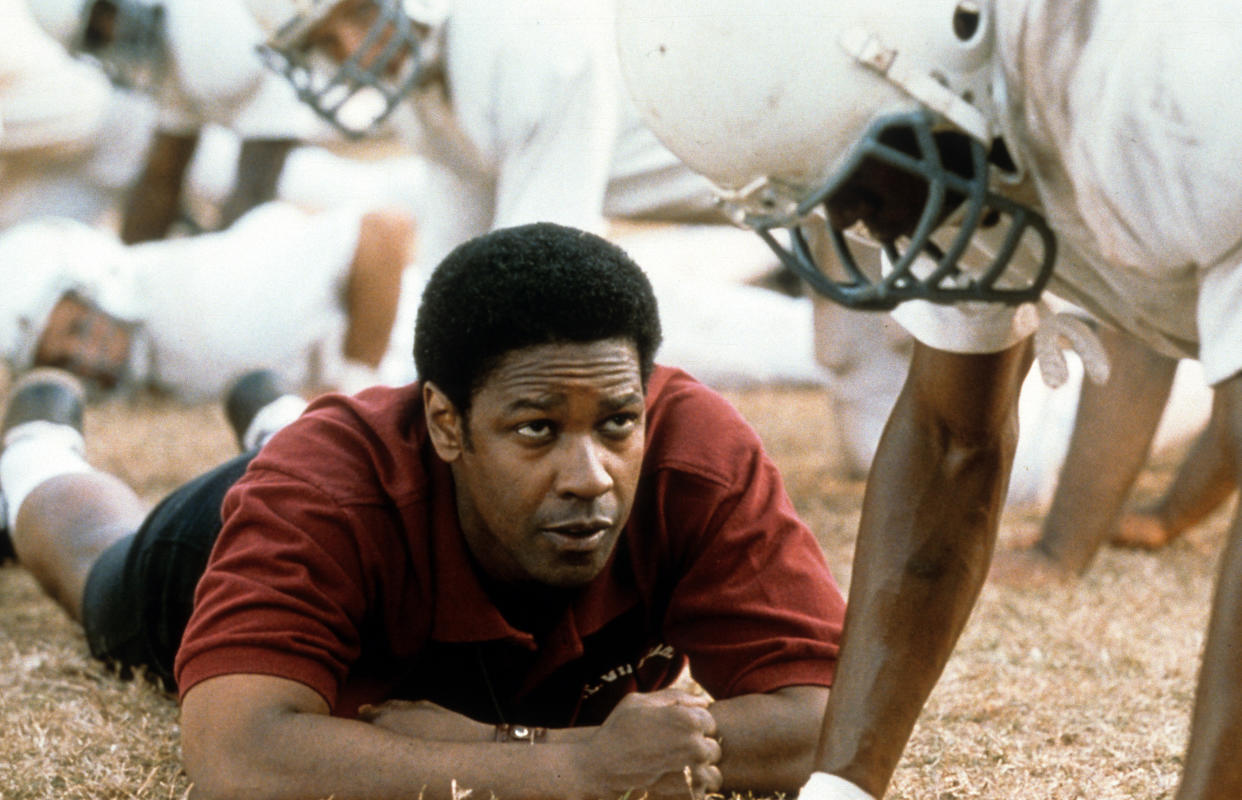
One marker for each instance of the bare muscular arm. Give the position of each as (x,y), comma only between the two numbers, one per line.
(928,526)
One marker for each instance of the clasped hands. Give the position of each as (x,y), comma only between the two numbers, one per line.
(661,744)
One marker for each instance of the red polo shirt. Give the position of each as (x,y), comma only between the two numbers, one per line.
(341,566)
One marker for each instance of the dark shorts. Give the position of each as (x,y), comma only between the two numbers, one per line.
(140,591)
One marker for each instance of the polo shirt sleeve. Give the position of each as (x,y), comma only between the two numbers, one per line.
(285,591)
(754,607)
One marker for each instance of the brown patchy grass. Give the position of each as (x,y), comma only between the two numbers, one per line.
(1078,692)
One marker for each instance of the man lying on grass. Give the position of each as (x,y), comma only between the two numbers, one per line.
(489,580)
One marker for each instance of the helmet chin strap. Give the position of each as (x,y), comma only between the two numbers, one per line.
(866,48)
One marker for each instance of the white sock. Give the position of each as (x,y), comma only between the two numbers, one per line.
(822,786)
(271,418)
(34,452)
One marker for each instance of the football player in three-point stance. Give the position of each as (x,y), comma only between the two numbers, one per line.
(1086,145)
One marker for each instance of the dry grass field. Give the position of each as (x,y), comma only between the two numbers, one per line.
(1073,692)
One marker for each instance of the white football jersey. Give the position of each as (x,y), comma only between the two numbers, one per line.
(47,98)
(539,128)
(266,292)
(1116,113)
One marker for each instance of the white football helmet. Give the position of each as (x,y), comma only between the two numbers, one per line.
(782,103)
(46,258)
(125,37)
(356,94)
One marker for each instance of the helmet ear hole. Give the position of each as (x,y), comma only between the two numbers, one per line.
(966,20)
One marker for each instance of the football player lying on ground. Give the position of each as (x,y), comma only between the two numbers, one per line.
(314,295)
(1084,145)
(526,547)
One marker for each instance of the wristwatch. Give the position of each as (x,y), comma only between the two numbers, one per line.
(520,733)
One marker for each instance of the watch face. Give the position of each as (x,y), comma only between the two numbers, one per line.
(520,733)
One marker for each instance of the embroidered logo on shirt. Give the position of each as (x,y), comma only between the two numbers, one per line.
(658,652)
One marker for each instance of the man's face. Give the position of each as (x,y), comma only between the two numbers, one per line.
(887,200)
(100,25)
(85,341)
(890,201)
(546,473)
(344,31)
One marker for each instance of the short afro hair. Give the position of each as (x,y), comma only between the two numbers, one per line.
(522,287)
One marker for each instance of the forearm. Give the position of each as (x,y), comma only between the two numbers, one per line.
(426,720)
(385,247)
(1212,766)
(767,741)
(928,526)
(322,756)
(255,736)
